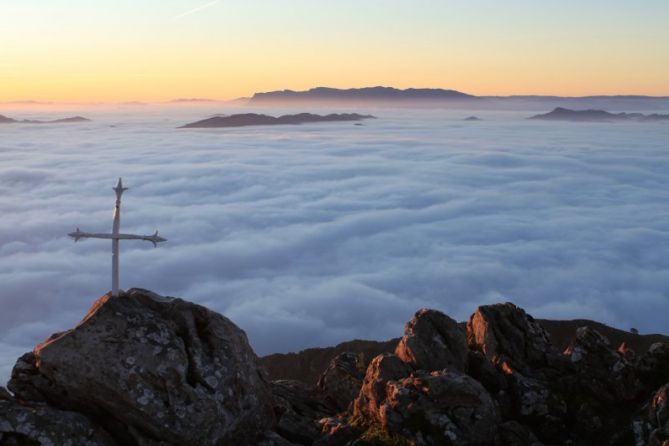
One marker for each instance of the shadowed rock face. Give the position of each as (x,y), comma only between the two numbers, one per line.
(298,407)
(248,119)
(440,408)
(39,424)
(433,341)
(152,369)
(341,381)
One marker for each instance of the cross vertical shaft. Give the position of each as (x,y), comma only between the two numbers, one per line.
(116,228)
(115,236)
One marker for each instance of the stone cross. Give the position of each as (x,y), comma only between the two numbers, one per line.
(115,236)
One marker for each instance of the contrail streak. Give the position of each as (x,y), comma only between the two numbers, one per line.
(194,10)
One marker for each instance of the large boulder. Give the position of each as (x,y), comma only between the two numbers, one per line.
(383,368)
(340,382)
(439,408)
(433,341)
(153,369)
(38,424)
(509,337)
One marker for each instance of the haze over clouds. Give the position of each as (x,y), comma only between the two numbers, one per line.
(311,235)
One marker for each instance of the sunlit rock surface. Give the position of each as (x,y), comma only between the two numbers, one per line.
(433,341)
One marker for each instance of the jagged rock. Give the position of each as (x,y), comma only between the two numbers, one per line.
(626,352)
(298,408)
(504,333)
(337,432)
(654,365)
(383,368)
(433,341)
(38,424)
(604,373)
(535,403)
(439,408)
(152,370)
(340,382)
(656,427)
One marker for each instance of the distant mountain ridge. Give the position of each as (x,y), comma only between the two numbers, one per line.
(255,119)
(440,97)
(7,120)
(378,94)
(565,114)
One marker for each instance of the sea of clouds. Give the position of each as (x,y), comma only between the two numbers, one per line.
(315,234)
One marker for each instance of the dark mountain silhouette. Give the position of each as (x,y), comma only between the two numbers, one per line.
(565,114)
(248,119)
(366,94)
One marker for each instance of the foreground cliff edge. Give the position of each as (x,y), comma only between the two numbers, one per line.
(142,369)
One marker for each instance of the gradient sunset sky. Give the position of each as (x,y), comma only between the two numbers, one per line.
(153,50)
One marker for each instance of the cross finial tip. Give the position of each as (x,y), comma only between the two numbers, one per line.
(119,187)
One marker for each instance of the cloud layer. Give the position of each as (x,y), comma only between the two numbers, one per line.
(311,235)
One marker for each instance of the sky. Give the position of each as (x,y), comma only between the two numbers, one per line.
(156,50)
(316,234)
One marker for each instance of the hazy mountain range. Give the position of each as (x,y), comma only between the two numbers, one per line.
(247,119)
(7,120)
(447,97)
(565,114)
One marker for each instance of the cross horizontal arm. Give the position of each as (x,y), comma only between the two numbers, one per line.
(155,238)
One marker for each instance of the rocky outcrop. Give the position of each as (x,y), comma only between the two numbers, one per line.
(505,334)
(654,366)
(383,369)
(340,382)
(152,370)
(433,341)
(144,370)
(658,416)
(440,408)
(607,374)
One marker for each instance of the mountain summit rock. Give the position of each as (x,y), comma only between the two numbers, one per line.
(146,370)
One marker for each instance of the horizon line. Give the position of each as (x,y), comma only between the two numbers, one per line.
(201,99)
